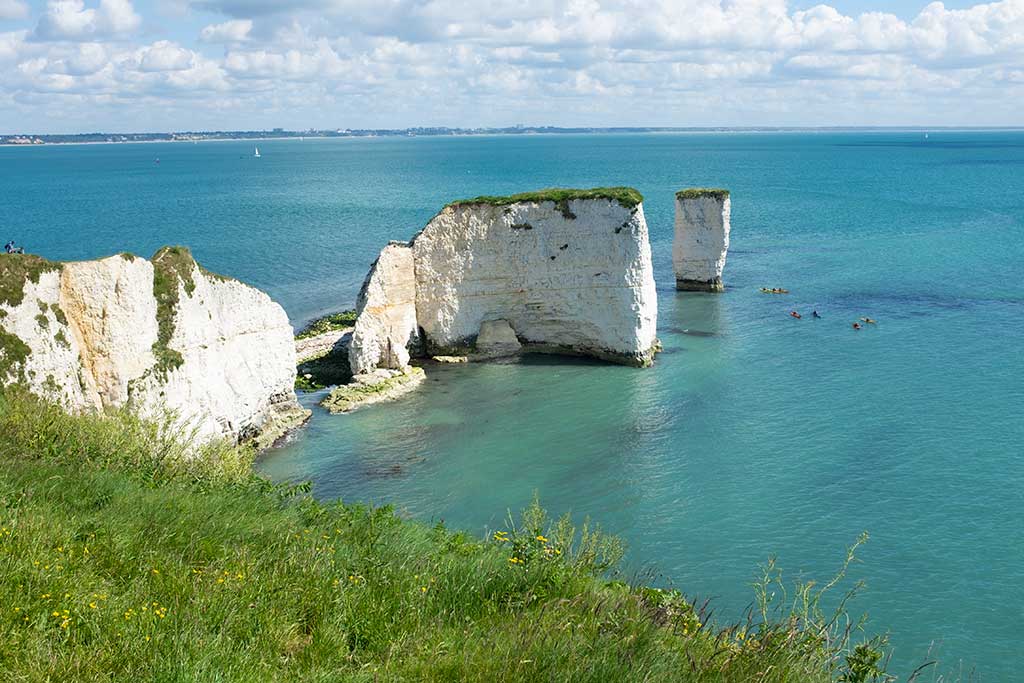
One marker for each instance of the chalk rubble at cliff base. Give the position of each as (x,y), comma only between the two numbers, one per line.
(162,336)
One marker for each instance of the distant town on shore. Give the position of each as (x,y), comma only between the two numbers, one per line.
(520,129)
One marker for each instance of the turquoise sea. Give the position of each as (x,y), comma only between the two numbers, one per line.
(753,435)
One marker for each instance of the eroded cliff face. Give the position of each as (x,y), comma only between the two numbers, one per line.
(701,239)
(385,332)
(118,331)
(562,271)
(569,276)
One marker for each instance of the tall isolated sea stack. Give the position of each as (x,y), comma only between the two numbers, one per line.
(701,239)
(554,271)
(157,335)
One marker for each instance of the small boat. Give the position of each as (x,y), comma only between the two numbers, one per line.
(256,153)
(869,321)
(774,290)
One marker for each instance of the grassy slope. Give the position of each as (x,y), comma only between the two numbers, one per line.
(121,559)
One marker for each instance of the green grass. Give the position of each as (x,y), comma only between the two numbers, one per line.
(16,270)
(701,192)
(626,196)
(172,270)
(124,555)
(13,354)
(328,323)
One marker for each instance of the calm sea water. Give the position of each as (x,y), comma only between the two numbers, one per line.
(753,435)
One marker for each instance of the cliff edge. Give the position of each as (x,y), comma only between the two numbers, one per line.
(156,335)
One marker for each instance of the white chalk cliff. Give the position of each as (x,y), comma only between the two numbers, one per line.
(385,331)
(561,271)
(157,336)
(701,239)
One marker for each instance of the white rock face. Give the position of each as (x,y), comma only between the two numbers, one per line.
(573,278)
(112,316)
(701,240)
(237,356)
(386,329)
(497,338)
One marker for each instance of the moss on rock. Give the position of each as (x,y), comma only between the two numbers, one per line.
(351,396)
(324,371)
(328,323)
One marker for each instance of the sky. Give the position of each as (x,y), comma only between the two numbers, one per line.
(169,65)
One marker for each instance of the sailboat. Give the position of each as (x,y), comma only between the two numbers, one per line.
(257,153)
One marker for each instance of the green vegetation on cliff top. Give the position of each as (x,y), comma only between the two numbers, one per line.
(700,192)
(16,270)
(171,266)
(124,556)
(626,196)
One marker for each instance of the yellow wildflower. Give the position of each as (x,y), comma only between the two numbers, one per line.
(542,539)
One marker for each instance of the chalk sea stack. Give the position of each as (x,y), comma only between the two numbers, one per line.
(701,239)
(554,271)
(156,335)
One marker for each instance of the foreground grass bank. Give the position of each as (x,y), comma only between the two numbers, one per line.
(125,557)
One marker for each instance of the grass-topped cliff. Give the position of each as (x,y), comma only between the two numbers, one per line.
(702,192)
(125,557)
(626,196)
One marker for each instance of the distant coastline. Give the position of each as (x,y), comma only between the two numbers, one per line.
(32,139)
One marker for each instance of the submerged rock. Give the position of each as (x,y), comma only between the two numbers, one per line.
(701,239)
(159,335)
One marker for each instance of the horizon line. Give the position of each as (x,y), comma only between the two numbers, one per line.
(513,129)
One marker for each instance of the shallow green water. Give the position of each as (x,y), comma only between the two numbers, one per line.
(754,434)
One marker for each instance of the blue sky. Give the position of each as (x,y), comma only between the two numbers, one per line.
(130,65)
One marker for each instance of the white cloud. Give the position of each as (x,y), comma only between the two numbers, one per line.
(12,10)
(405,62)
(72,20)
(81,60)
(166,56)
(234,31)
